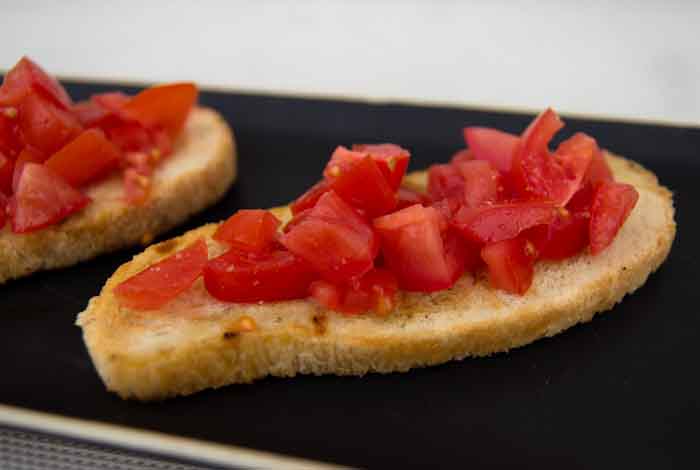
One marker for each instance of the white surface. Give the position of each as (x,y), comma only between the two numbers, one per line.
(631,59)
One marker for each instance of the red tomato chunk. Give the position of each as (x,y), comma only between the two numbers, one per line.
(510,264)
(612,204)
(374,291)
(249,230)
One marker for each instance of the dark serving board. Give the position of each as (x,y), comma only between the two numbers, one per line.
(620,390)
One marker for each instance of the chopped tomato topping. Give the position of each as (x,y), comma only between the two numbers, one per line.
(137,187)
(3,210)
(463,155)
(481,182)
(42,198)
(10,141)
(7,168)
(162,282)
(44,125)
(445,181)
(495,223)
(310,197)
(252,277)
(361,184)
(375,291)
(612,204)
(566,236)
(598,171)
(337,242)
(27,77)
(249,230)
(408,197)
(165,106)
(510,264)
(85,159)
(494,146)
(391,159)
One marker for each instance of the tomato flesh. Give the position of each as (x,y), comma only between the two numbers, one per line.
(362,185)
(160,283)
(249,230)
(481,182)
(310,197)
(165,106)
(85,159)
(45,126)
(463,155)
(494,146)
(408,197)
(445,181)
(249,277)
(510,264)
(337,242)
(499,222)
(391,159)
(598,171)
(42,198)
(566,236)
(375,291)
(10,143)
(27,77)
(3,210)
(7,167)
(612,204)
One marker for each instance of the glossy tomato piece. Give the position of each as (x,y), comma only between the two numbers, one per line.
(163,281)
(7,167)
(249,230)
(102,110)
(85,159)
(269,276)
(375,291)
(28,154)
(27,77)
(414,249)
(510,264)
(310,197)
(463,155)
(408,197)
(612,204)
(481,182)
(3,210)
(130,136)
(10,141)
(491,145)
(44,125)
(489,224)
(337,242)
(598,171)
(362,185)
(445,181)
(566,236)
(164,106)
(391,159)
(42,198)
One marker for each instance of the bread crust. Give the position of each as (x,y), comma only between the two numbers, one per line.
(196,343)
(199,172)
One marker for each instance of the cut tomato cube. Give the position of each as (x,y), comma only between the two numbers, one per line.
(481,182)
(598,171)
(391,159)
(163,281)
(460,156)
(414,250)
(612,204)
(375,291)
(445,181)
(27,77)
(270,276)
(164,106)
(85,159)
(310,197)
(494,223)
(3,210)
(7,167)
(362,185)
(44,125)
(42,198)
(10,141)
(130,136)
(510,264)
(566,236)
(249,230)
(338,243)
(408,197)
(137,187)
(494,146)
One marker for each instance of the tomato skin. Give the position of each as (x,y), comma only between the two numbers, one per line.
(566,236)
(408,197)
(7,167)
(445,181)
(391,159)
(461,156)
(10,143)
(598,171)
(27,77)
(375,291)
(362,185)
(310,197)
(42,198)
(481,182)
(248,277)
(337,242)
(612,204)
(164,106)
(510,264)
(249,230)
(491,145)
(3,210)
(85,159)
(163,281)
(499,222)
(45,126)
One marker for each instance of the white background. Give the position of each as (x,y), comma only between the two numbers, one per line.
(629,59)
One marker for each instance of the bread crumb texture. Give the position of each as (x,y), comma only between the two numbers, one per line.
(189,345)
(197,174)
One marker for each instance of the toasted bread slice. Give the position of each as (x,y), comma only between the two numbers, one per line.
(197,342)
(200,170)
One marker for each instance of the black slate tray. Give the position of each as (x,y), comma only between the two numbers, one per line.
(621,390)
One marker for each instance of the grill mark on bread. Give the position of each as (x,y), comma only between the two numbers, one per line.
(166,246)
(242,324)
(320,321)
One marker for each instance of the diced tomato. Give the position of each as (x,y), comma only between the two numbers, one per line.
(337,242)
(414,250)
(612,204)
(481,182)
(85,159)
(10,142)
(249,230)
(498,222)
(408,197)
(448,207)
(310,197)
(28,154)
(445,181)
(137,187)
(375,291)
(163,281)
(42,198)
(164,106)
(269,276)
(582,200)
(494,146)
(566,236)
(3,210)
(460,156)
(112,102)
(130,137)
(510,264)
(26,77)
(139,161)
(7,167)
(362,185)
(44,125)
(598,171)
(298,217)
(89,113)
(391,159)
